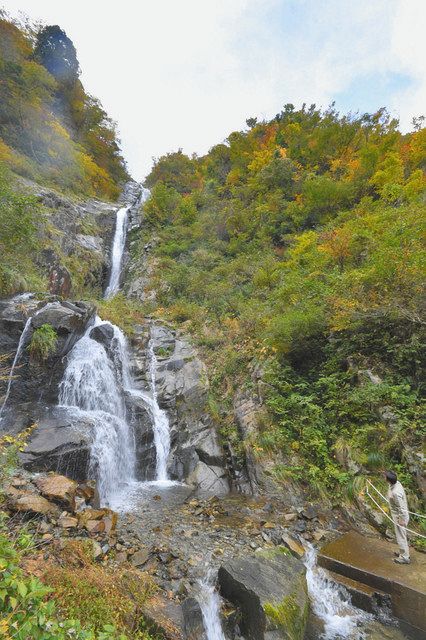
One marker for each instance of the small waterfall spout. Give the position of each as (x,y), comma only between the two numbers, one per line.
(22,340)
(21,343)
(209,601)
(331,603)
(160,425)
(92,390)
(117,252)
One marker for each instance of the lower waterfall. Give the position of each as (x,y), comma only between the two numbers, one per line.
(209,602)
(91,389)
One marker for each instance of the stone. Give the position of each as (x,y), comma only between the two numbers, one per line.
(94,526)
(271,593)
(87,491)
(58,489)
(193,623)
(67,522)
(33,503)
(107,516)
(309,512)
(289,517)
(293,545)
(140,557)
(165,615)
(97,550)
(121,557)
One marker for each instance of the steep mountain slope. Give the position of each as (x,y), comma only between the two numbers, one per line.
(51,130)
(294,254)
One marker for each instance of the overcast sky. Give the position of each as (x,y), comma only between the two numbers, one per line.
(185,73)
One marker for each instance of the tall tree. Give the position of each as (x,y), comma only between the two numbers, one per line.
(56,52)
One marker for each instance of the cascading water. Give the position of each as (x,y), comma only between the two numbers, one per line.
(117,252)
(92,392)
(160,425)
(209,601)
(331,603)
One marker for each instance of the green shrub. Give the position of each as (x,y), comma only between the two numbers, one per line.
(43,342)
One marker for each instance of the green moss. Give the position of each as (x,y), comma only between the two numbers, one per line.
(288,616)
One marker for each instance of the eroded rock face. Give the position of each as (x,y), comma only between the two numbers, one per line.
(271,593)
(182,387)
(35,385)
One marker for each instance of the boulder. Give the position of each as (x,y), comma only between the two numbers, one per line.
(165,616)
(58,489)
(293,545)
(209,479)
(270,591)
(140,557)
(33,503)
(102,333)
(98,520)
(193,623)
(61,442)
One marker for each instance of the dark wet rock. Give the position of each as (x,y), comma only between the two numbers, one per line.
(271,593)
(165,616)
(310,512)
(60,443)
(193,620)
(102,333)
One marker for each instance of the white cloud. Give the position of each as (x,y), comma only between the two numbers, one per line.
(185,73)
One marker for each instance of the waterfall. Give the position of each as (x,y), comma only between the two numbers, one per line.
(91,390)
(331,603)
(22,339)
(161,427)
(117,252)
(209,601)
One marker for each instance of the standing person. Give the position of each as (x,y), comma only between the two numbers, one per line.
(399,512)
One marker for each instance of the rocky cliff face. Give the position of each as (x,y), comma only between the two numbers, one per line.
(61,441)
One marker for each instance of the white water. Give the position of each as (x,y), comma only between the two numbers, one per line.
(117,252)
(332,604)
(161,427)
(209,601)
(91,389)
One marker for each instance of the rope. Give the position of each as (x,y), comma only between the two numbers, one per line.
(419,535)
(419,515)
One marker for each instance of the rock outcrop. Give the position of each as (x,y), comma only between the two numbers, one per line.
(270,592)
(35,383)
(182,388)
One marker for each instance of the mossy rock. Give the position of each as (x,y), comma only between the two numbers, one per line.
(270,590)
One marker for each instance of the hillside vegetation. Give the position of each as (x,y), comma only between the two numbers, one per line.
(293,252)
(51,130)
